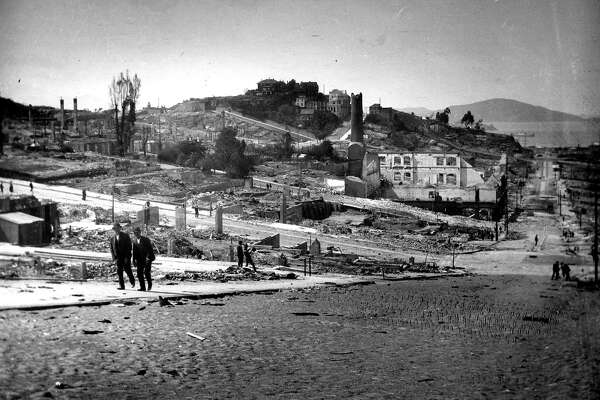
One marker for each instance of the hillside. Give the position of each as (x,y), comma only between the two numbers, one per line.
(12,110)
(506,110)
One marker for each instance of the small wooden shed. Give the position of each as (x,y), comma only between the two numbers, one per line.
(21,229)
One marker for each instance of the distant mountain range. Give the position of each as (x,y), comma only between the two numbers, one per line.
(501,110)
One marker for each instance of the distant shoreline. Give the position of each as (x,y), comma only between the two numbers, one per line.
(551,134)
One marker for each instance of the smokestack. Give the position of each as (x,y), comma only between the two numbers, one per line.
(75,114)
(62,114)
(30,118)
(356,118)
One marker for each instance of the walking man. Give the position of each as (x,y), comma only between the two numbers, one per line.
(31,186)
(536,240)
(143,255)
(240,254)
(10,187)
(83,194)
(248,254)
(1,188)
(566,271)
(120,248)
(196,211)
(555,270)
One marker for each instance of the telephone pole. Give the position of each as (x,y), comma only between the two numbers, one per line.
(595,248)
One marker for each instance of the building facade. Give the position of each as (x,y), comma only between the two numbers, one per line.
(339,104)
(300,101)
(445,169)
(267,87)
(317,105)
(386,113)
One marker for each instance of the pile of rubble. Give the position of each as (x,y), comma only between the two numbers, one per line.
(86,240)
(232,273)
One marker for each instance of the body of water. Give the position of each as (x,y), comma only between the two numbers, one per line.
(552,134)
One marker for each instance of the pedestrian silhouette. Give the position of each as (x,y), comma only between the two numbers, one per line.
(248,254)
(83,194)
(240,254)
(143,255)
(31,186)
(10,187)
(555,270)
(536,240)
(1,188)
(566,271)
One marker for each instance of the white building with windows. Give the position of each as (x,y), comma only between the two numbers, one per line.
(415,175)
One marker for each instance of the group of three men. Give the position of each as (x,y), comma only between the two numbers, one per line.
(122,248)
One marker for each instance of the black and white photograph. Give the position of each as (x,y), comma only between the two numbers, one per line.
(299,199)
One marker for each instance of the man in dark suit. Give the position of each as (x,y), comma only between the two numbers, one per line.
(120,248)
(143,255)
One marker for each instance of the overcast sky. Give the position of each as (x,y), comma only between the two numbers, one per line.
(408,53)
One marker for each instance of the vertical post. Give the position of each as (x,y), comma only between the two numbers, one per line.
(219,220)
(453,253)
(506,212)
(75,128)
(113,204)
(309,265)
(184,212)
(305,266)
(595,249)
(283,207)
(559,203)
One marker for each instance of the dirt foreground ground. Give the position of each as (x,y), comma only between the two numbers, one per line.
(500,336)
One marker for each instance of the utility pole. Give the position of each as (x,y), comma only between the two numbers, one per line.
(453,252)
(113,204)
(506,213)
(595,249)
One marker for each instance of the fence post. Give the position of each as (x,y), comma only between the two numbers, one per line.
(309,266)
(304,266)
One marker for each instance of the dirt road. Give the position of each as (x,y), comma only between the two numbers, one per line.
(457,338)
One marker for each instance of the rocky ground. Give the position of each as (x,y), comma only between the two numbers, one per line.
(476,337)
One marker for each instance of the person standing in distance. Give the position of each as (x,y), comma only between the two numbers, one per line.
(120,248)
(248,254)
(240,254)
(143,255)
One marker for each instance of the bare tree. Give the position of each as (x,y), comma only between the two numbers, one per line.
(124,92)
(146,130)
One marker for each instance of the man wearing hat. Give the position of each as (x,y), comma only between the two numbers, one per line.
(120,248)
(143,255)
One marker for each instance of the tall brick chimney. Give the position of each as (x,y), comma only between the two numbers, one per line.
(75,115)
(356,118)
(356,148)
(62,114)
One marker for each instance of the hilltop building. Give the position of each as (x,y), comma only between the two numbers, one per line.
(339,104)
(316,104)
(300,101)
(267,87)
(385,113)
